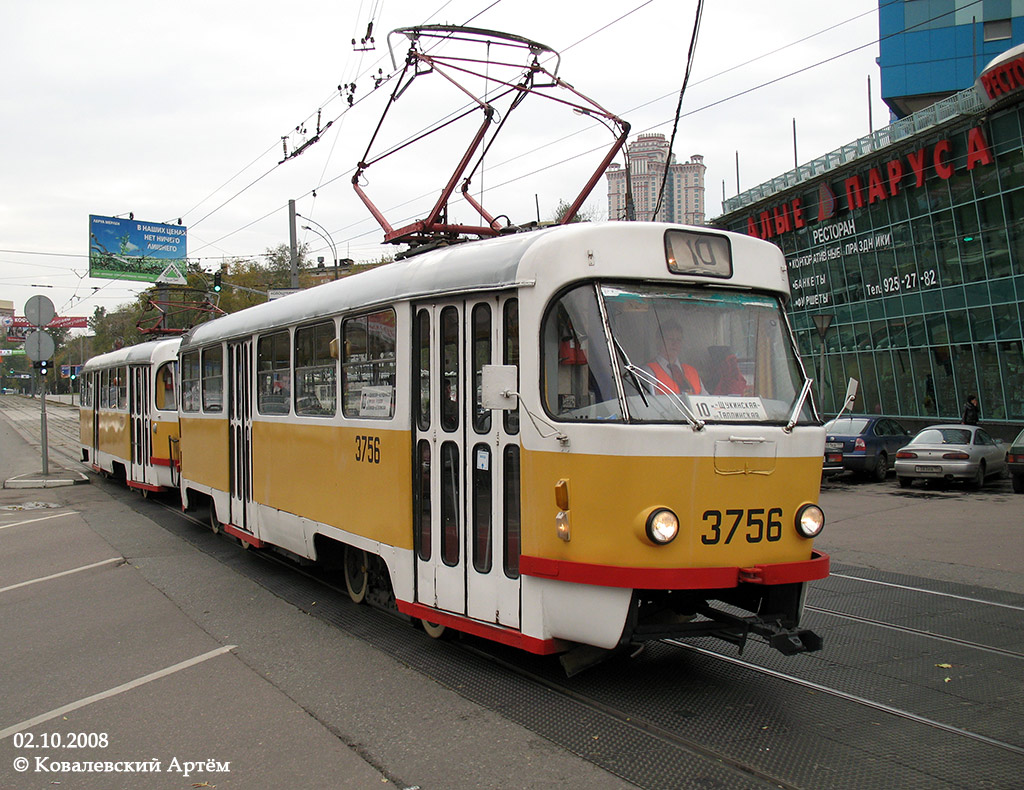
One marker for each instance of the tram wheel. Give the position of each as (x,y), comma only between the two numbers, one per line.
(357,578)
(214,521)
(433,630)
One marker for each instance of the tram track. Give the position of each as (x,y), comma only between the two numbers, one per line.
(840,694)
(645,727)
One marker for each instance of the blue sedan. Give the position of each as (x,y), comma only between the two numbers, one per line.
(866,445)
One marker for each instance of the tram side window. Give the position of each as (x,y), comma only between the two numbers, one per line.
(421,359)
(190,381)
(166,399)
(578,382)
(104,384)
(481,357)
(510,356)
(122,387)
(368,365)
(511,527)
(274,374)
(482,507)
(316,380)
(213,379)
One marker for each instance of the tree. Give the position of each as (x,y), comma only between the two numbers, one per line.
(585,214)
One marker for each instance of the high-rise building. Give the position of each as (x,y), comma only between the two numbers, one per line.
(931,49)
(648,156)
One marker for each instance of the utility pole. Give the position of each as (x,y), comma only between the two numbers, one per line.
(294,244)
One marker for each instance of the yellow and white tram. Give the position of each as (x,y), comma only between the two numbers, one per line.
(482,432)
(128,421)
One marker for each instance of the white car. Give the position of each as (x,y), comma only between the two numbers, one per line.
(951,452)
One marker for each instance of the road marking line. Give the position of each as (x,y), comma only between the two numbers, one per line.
(43,518)
(160,673)
(62,573)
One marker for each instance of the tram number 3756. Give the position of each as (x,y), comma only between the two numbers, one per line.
(368,449)
(757,525)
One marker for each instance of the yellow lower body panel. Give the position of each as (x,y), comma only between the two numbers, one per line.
(726,520)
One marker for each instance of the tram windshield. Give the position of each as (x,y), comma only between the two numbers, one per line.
(676,354)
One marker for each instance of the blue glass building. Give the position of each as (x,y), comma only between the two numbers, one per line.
(931,49)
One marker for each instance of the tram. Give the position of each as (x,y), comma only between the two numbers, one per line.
(128,423)
(483,436)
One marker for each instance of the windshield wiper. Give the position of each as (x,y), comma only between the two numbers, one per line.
(795,414)
(643,376)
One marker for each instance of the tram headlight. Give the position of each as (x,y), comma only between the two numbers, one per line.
(810,520)
(662,526)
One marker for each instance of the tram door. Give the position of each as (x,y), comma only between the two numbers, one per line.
(466,466)
(94,384)
(142,427)
(240,433)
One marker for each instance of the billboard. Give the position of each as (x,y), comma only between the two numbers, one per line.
(128,249)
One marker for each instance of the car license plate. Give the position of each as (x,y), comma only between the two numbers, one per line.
(833,445)
(922,468)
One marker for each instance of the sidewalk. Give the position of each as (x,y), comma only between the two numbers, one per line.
(21,462)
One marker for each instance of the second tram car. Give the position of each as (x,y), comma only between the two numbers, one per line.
(592,434)
(128,420)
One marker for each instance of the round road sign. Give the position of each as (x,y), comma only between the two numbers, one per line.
(39,312)
(39,346)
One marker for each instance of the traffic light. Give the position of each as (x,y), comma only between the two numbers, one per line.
(216,282)
(42,365)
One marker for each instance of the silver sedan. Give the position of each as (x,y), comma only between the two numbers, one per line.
(951,452)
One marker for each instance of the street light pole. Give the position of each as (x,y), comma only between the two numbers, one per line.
(326,237)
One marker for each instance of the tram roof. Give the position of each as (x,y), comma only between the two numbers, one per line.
(486,265)
(141,352)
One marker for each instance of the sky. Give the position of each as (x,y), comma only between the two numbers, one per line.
(177,111)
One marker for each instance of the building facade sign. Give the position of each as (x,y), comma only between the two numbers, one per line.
(918,255)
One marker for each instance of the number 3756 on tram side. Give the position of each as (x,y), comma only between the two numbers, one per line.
(591,434)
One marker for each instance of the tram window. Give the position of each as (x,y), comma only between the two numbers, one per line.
(273,374)
(316,385)
(421,381)
(578,381)
(482,508)
(368,365)
(165,395)
(122,387)
(213,379)
(481,357)
(104,377)
(734,360)
(421,500)
(190,381)
(511,527)
(510,356)
(450,369)
(450,471)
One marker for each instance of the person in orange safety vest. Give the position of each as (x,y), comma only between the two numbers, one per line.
(676,376)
